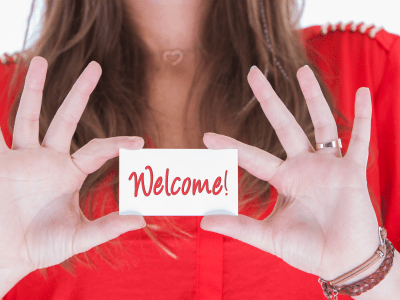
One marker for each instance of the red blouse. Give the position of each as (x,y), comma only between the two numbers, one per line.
(212,266)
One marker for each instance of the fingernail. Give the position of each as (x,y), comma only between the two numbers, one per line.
(253,67)
(144,225)
(134,138)
(367,89)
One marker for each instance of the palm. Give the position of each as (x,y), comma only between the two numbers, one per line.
(315,211)
(41,223)
(323,214)
(46,203)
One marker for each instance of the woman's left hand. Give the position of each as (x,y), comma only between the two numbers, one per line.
(323,222)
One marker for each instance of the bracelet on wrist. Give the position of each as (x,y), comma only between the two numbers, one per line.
(334,287)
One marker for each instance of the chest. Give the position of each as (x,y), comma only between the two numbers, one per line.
(173,121)
(171,130)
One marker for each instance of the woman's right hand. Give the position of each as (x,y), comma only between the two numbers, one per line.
(41,223)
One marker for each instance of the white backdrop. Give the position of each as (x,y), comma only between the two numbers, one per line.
(14,14)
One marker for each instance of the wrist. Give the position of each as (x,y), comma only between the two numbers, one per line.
(352,263)
(371,270)
(381,285)
(389,287)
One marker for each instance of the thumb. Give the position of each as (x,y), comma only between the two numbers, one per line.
(92,233)
(257,233)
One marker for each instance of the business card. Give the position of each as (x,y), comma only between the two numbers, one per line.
(178,182)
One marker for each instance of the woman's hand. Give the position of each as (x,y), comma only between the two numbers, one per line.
(323,222)
(41,223)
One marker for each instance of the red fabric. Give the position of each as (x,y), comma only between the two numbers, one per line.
(212,266)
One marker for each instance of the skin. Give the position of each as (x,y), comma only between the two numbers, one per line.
(328,225)
(169,25)
(41,223)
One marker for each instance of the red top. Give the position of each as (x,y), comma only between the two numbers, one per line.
(212,266)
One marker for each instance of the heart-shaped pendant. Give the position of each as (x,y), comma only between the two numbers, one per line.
(174,61)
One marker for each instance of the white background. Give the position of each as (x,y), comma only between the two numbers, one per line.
(14,14)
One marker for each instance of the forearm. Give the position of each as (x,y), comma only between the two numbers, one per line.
(388,288)
(9,278)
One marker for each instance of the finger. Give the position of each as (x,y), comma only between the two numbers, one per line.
(256,161)
(93,233)
(26,127)
(321,115)
(289,132)
(94,154)
(63,126)
(258,233)
(3,145)
(357,151)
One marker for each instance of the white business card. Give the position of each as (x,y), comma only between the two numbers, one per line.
(178,182)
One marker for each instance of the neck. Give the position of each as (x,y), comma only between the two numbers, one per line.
(168,25)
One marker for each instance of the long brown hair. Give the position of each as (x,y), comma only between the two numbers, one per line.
(75,32)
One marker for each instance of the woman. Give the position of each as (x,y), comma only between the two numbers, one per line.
(139,94)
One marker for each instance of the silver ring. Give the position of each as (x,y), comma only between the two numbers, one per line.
(333,144)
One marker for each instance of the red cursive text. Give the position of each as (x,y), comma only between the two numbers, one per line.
(187,184)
